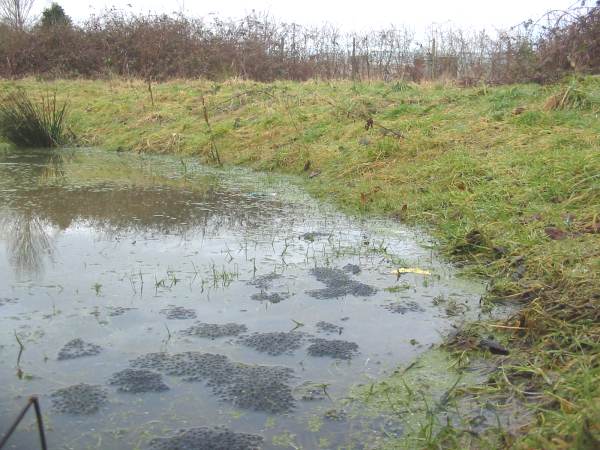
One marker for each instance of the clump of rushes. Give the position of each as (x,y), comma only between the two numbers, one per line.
(571,97)
(26,123)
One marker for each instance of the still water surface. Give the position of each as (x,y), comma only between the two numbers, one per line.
(126,252)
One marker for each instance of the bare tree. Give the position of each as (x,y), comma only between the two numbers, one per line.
(15,12)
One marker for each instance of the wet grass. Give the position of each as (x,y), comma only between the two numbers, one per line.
(506,178)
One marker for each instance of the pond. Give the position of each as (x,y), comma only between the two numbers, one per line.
(162,304)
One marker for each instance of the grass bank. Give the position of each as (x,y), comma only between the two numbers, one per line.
(507,178)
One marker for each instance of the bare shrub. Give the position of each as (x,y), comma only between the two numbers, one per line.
(158,47)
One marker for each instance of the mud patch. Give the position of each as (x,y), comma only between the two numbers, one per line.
(274,343)
(261,388)
(80,399)
(203,438)
(214,330)
(329,328)
(403,307)
(334,348)
(178,313)
(138,381)
(77,348)
(275,297)
(338,284)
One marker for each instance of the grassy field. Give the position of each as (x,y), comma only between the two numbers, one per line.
(506,178)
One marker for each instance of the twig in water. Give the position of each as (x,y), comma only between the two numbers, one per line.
(21,348)
(141,283)
(298,325)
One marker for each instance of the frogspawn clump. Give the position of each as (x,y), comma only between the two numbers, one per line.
(274,297)
(138,380)
(338,284)
(202,438)
(333,348)
(178,313)
(78,348)
(214,330)
(81,399)
(274,343)
(115,311)
(311,236)
(264,281)
(191,366)
(261,388)
(329,328)
(351,268)
(403,307)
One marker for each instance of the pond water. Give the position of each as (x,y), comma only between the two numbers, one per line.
(152,294)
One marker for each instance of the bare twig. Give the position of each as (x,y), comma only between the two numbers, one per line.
(213,146)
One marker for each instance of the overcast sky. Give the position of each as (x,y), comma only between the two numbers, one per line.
(348,14)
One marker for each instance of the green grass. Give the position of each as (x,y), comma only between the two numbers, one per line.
(26,122)
(507,179)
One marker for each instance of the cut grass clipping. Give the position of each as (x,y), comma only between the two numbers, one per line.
(27,124)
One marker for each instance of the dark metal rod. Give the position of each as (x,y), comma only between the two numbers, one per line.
(12,429)
(40,422)
(33,400)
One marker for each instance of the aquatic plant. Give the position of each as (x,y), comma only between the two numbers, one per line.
(26,123)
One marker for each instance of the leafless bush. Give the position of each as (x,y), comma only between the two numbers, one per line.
(158,47)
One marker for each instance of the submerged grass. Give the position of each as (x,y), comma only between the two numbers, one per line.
(28,124)
(509,185)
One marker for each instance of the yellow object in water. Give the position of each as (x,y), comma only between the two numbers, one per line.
(402,270)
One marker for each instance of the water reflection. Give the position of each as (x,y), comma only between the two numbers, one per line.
(28,235)
(45,191)
(29,242)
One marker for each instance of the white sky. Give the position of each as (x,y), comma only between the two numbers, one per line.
(347,14)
